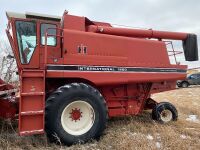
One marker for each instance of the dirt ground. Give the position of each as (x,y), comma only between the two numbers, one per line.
(139,132)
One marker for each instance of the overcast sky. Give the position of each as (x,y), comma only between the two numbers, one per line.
(172,15)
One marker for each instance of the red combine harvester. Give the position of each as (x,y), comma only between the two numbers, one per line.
(76,73)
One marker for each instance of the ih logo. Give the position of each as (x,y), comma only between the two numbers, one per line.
(82,49)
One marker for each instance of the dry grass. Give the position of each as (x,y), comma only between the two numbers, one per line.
(138,132)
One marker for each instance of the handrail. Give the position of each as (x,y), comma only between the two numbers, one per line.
(50,35)
(10,38)
(174,53)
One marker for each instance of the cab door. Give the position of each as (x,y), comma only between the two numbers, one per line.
(53,42)
(27,42)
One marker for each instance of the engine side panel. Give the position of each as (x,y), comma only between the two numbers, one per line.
(96,49)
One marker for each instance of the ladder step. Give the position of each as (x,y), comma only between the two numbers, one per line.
(32,132)
(32,93)
(26,113)
(32,98)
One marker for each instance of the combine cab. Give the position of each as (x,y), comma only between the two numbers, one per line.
(76,73)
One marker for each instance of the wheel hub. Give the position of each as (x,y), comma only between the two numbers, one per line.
(78,117)
(75,114)
(166,115)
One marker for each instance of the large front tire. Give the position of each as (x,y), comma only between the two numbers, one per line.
(75,113)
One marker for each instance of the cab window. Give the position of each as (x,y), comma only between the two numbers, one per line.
(51,40)
(26,39)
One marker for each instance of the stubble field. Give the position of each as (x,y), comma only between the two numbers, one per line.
(138,132)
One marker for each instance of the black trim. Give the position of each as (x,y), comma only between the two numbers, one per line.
(42,17)
(112,69)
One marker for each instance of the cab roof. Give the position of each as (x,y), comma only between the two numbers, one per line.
(32,15)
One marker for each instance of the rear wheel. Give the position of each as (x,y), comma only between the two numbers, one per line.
(75,113)
(164,112)
(184,84)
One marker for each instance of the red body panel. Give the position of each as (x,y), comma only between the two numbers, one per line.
(104,78)
(108,50)
(8,101)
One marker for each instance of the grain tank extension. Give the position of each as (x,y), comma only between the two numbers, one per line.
(76,73)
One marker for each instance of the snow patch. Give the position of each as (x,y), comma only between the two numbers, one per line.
(158,145)
(183,136)
(149,137)
(193,118)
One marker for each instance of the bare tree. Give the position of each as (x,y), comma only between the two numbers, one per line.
(8,64)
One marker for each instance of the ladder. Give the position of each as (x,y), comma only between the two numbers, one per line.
(32,102)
